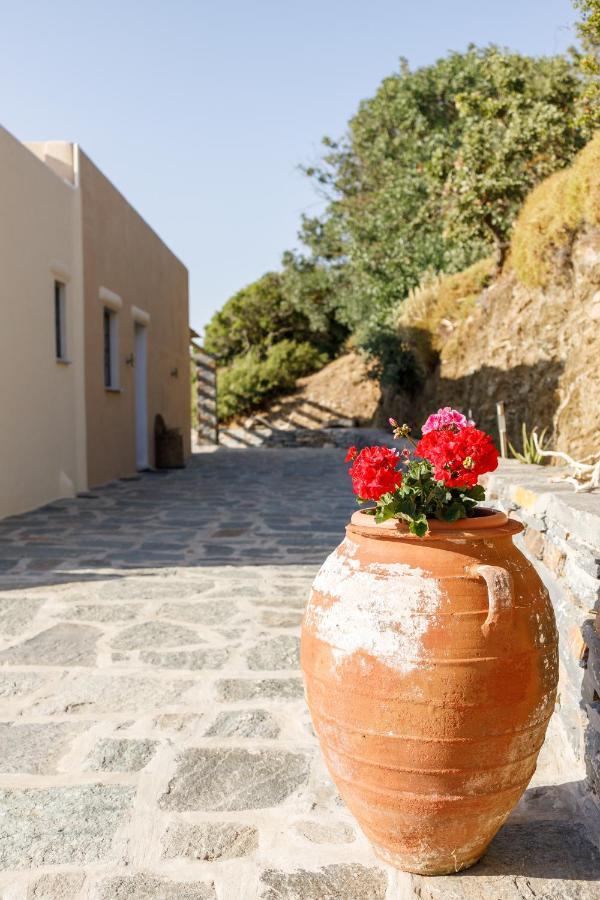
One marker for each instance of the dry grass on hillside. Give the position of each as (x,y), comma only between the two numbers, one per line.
(553,214)
(431,313)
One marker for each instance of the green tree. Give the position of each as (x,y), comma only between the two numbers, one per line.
(258,314)
(518,128)
(589,33)
(276,307)
(255,378)
(272,332)
(433,169)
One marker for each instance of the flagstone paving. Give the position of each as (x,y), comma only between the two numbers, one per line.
(154,740)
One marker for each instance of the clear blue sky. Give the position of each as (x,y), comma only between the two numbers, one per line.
(200,112)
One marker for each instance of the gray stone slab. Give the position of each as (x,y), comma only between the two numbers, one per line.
(64,644)
(59,886)
(209,612)
(58,825)
(335,882)
(325,832)
(234,589)
(34,748)
(16,613)
(105,693)
(18,684)
(7,565)
(96,612)
(209,841)
(280,618)
(177,722)
(284,603)
(152,587)
(137,560)
(244,723)
(233,689)
(281,652)
(578,514)
(586,558)
(213,780)
(120,755)
(211,658)
(585,587)
(153,634)
(547,860)
(151,887)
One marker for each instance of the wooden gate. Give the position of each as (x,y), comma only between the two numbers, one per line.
(206,396)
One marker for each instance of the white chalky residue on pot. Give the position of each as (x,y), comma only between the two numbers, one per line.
(380,609)
(351,547)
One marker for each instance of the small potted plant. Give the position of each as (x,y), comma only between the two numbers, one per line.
(429,651)
(439,478)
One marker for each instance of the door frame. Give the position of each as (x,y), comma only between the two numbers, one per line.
(141,321)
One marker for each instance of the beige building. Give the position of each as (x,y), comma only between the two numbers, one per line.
(93,328)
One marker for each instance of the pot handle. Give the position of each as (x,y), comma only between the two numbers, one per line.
(501,593)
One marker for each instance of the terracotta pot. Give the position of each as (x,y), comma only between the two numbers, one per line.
(430,668)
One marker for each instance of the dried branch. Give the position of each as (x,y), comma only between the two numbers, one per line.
(583,476)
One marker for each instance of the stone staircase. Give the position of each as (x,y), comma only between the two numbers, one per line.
(262,433)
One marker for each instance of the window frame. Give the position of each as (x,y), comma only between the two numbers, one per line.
(110,348)
(60,321)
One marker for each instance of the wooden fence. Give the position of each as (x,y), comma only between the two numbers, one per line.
(206,396)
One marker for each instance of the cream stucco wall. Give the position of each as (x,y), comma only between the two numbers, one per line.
(129,268)
(42,401)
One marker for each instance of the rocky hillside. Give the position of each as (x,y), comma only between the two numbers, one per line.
(530,338)
(537,349)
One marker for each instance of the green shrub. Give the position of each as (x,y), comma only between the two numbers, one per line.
(392,360)
(253,379)
(294,306)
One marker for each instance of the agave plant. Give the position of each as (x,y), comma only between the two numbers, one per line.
(531,451)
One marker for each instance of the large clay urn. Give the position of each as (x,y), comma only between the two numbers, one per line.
(430,667)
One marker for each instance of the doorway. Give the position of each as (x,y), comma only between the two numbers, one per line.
(141,396)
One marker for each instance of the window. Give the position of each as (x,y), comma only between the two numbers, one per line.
(60,323)
(111,369)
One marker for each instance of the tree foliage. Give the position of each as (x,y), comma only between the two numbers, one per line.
(277,307)
(433,169)
(257,377)
(269,334)
(589,33)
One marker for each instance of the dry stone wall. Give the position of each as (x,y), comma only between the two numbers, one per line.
(562,538)
(535,349)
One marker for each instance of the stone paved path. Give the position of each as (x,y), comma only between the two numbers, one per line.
(154,741)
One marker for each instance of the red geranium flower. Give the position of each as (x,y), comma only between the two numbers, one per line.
(351,454)
(374,472)
(459,458)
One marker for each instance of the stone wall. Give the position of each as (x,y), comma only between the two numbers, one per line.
(562,539)
(536,349)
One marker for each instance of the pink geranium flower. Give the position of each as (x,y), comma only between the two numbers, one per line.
(446,419)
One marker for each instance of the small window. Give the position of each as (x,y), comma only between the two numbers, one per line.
(111,370)
(60,320)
